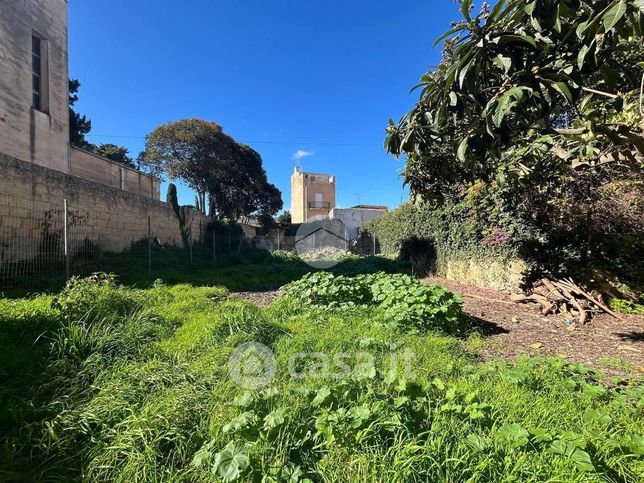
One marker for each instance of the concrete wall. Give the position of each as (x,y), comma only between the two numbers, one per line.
(100,170)
(115,218)
(354,218)
(38,137)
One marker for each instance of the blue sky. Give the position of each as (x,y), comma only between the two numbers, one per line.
(284,76)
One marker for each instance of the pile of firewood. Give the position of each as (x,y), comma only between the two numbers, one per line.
(565,297)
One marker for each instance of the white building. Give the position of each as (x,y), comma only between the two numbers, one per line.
(354,217)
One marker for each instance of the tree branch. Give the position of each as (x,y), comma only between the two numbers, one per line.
(601,93)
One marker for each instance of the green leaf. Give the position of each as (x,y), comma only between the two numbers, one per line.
(244,400)
(477,442)
(231,462)
(513,434)
(203,457)
(274,418)
(563,89)
(592,415)
(448,33)
(321,396)
(541,436)
(560,447)
(582,460)
(524,39)
(504,63)
(636,442)
(614,15)
(463,73)
(639,4)
(581,57)
(466,6)
(439,384)
(239,422)
(462,149)
(529,8)
(581,28)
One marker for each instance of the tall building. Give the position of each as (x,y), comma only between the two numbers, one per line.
(34,112)
(312,196)
(34,98)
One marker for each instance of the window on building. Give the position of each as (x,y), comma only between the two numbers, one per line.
(39,72)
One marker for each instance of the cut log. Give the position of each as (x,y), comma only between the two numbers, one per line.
(547,307)
(583,314)
(573,287)
(553,293)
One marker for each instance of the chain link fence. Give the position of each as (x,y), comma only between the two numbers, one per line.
(43,244)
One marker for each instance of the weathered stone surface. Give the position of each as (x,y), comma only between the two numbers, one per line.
(32,196)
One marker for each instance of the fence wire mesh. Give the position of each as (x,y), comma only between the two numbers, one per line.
(43,244)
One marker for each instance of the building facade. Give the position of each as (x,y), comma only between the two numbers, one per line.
(34,98)
(312,196)
(34,84)
(353,218)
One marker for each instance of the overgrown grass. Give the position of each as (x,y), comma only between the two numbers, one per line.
(105,382)
(254,270)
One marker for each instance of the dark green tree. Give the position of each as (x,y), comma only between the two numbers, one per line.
(526,90)
(284,217)
(115,153)
(79,125)
(228,177)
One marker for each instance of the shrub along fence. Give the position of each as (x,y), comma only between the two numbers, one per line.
(455,241)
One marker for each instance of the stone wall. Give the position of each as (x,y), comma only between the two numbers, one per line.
(484,272)
(32,196)
(91,167)
(36,136)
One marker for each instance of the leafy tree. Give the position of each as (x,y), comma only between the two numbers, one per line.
(79,125)
(284,217)
(191,150)
(526,90)
(115,153)
(228,174)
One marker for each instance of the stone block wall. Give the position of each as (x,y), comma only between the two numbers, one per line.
(91,167)
(31,205)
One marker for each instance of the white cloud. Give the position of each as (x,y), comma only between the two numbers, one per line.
(299,154)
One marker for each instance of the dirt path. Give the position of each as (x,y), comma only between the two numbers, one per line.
(511,329)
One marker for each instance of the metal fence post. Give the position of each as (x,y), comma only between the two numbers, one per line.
(374,245)
(149,247)
(191,243)
(214,247)
(65,239)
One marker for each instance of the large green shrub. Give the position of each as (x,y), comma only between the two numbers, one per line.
(476,221)
(402,301)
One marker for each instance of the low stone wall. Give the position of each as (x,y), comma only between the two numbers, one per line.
(32,199)
(484,272)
